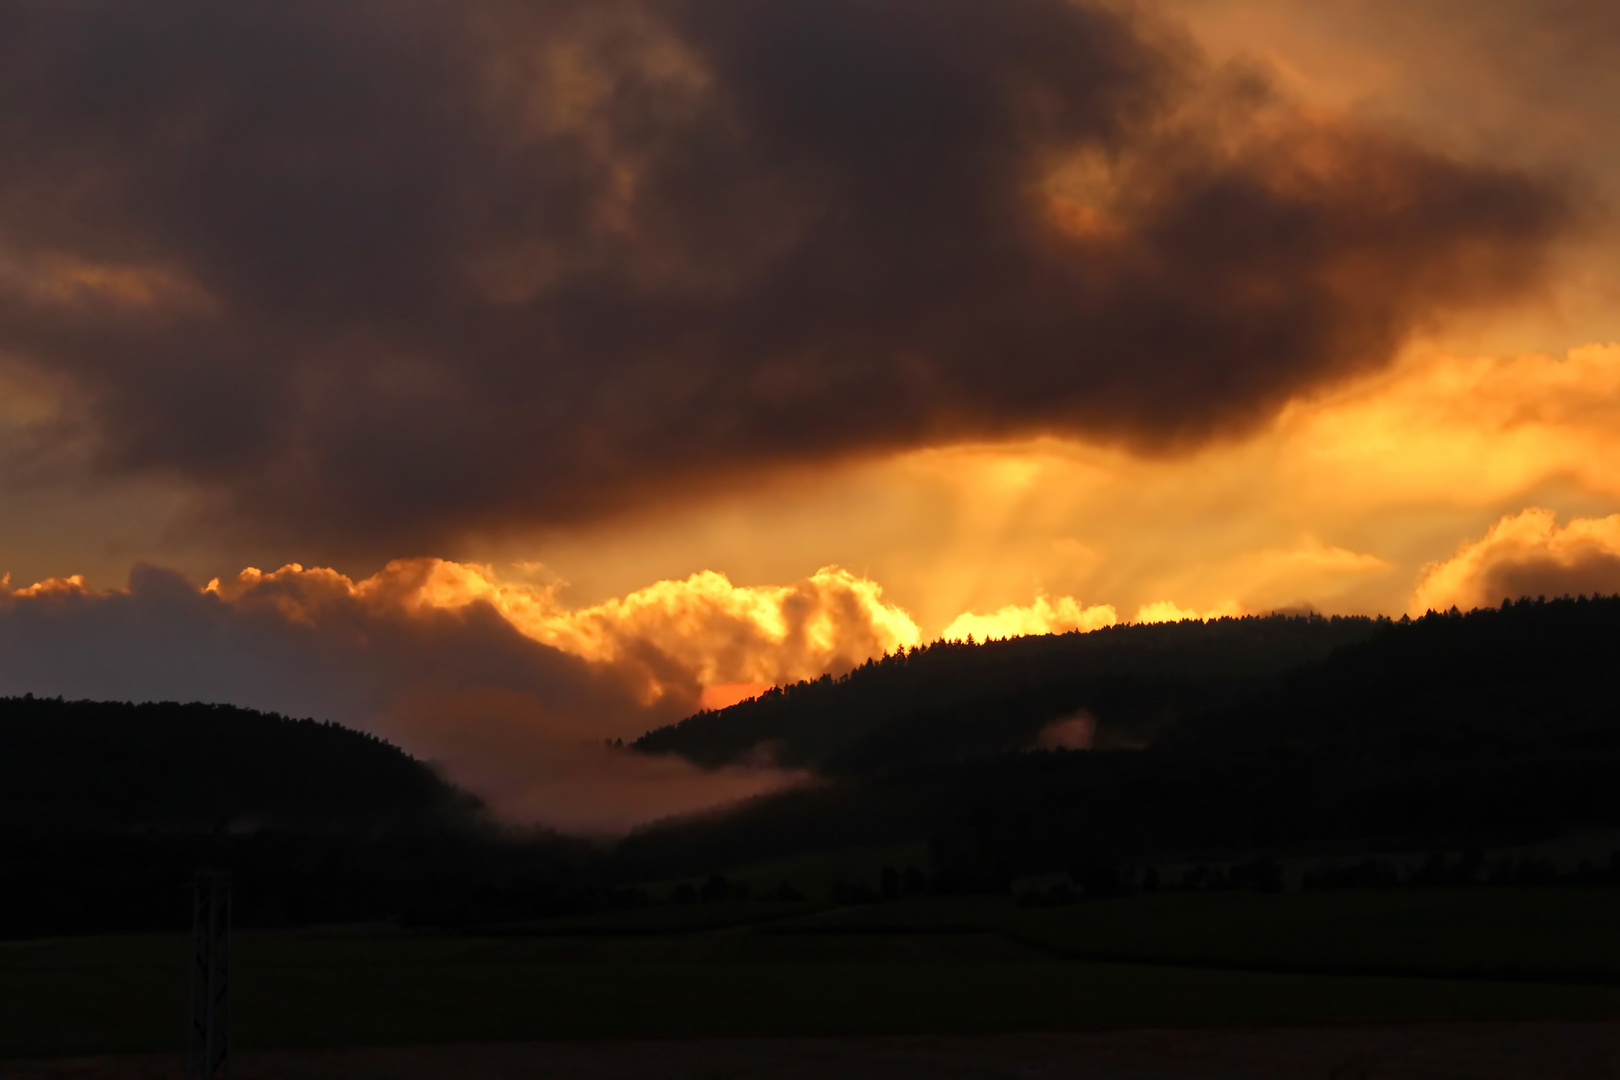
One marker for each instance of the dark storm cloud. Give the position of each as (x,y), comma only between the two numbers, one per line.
(372,275)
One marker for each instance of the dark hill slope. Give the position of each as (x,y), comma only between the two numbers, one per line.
(1453,729)
(1495,683)
(1500,718)
(107,810)
(951,700)
(105,765)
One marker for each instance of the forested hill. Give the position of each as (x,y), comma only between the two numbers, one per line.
(1460,731)
(953,699)
(1514,684)
(108,811)
(105,765)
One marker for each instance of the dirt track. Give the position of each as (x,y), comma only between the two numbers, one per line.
(1525,1051)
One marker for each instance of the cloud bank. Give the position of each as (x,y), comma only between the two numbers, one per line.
(375,276)
(668,641)
(1526,554)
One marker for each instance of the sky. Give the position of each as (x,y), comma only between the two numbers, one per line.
(507,376)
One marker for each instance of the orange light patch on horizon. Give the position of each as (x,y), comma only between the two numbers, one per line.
(729,694)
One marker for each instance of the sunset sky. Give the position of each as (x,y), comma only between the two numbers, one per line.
(504,376)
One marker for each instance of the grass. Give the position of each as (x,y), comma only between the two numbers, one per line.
(1556,934)
(662,919)
(968,965)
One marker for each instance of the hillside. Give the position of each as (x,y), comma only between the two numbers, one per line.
(107,810)
(950,700)
(1457,730)
(170,767)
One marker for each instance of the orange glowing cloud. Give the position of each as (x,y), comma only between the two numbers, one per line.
(63,586)
(703,640)
(1044,616)
(670,638)
(1455,429)
(1168,611)
(725,634)
(1526,554)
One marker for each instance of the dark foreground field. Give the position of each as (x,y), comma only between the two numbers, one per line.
(1501,1051)
(1212,984)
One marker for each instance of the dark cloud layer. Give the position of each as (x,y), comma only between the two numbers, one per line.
(370,275)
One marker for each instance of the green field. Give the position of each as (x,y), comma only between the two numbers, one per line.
(926,965)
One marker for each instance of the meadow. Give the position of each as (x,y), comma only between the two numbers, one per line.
(961,965)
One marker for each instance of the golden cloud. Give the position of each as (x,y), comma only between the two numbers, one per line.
(1526,554)
(1168,611)
(71,585)
(670,638)
(724,633)
(1456,429)
(1044,616)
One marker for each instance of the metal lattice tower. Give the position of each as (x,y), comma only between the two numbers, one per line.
(208,1037)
